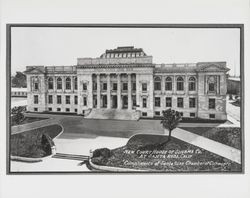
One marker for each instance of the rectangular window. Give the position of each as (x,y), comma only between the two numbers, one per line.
(157,86)
(35,109)
(157,101)
(59,99)
(75,83)
(68,84)
(104,86)
(50,99)
(180,102)
(35,99)
(192,115)
(144,86)
(58,109)
(84,101)
(191,86)
(157,113)
(133,86)
(67,100)
(114,87)
(124,86)
(144,102)
(211,87)
(76,100)
(67,109)
(84,86)
(94,86)
(75,110)
(144,114)
(36,85)
(212,116)
(180,86)
(168,102)
(50,109)
(51,85)
(211,103)
(168,86)
(191,102)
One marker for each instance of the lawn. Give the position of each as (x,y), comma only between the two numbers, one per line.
(28,120)
(225,135)
(176,156)
(33,143)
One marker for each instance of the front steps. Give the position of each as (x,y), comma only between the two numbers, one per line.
(113,114)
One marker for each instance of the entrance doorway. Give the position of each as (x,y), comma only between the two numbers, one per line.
(114,102)
(94,101)
(104,101)
(124,102)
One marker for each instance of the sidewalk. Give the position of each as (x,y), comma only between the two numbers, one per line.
(207,144)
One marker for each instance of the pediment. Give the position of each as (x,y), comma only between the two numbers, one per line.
(34,70)
(212,68)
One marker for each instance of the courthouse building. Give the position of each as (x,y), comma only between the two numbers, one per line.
(125,79)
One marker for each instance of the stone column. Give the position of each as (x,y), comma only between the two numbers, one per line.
(63,83)
(90,92)
(186,84)
(72,84)
(129,92)
(174,84)
(138,91)
(119,105)
(108,92)
(54,85)
(98,91)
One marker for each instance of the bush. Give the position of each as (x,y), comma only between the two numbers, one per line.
(101,156)
(35,143)
(104,152)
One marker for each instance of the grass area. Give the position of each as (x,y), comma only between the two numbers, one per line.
(28,120)
(175,156)
(34,143)
(225,135)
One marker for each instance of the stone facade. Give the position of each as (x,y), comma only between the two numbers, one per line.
(127,78)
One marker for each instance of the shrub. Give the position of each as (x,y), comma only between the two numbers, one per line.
(102,152)
(101,156)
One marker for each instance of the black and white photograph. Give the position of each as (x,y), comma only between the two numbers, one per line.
(116,98)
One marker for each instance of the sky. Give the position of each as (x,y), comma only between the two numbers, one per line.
(62,46)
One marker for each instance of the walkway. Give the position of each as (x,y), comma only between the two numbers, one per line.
(207,144)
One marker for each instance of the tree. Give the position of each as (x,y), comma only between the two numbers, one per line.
(19,80)
(17,115)
(170,120)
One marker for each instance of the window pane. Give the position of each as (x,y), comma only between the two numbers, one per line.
(168,102)
(180,102)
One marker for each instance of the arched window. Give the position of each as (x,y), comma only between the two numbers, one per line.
(211,83)
(59,83)
(168,84)
(68,83)
(191,84)
(157,83)
(75,83)
(180,84)
(50,83)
